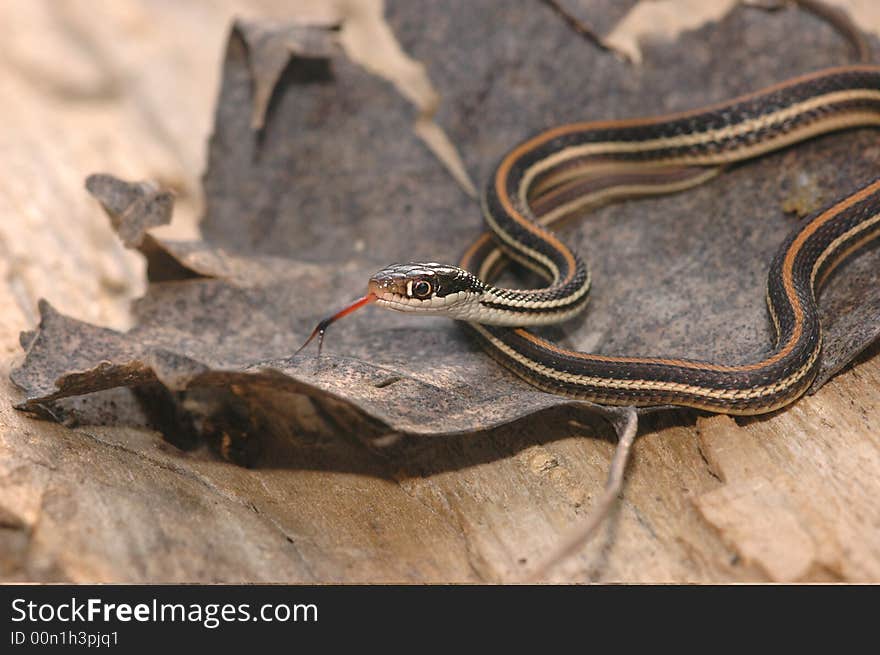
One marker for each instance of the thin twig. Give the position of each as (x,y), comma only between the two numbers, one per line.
(837,17)
(576,24)
(579,538)
(842,22)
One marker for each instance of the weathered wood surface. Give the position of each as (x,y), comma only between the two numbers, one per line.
(783,498)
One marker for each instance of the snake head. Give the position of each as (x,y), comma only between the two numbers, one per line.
(426,288)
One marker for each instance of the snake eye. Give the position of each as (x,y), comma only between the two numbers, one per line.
(421,289)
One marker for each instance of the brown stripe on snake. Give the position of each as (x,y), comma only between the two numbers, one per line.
(565,170)
(806,257)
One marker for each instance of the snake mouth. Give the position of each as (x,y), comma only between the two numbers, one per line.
(394,291)
(403,303)
(387,288)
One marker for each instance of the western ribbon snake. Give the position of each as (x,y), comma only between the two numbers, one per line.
(571,168)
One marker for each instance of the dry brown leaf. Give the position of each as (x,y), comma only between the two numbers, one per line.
(288,237)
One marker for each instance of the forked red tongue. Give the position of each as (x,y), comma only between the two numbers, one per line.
(321,328)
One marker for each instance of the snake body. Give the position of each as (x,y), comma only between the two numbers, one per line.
(567,169)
